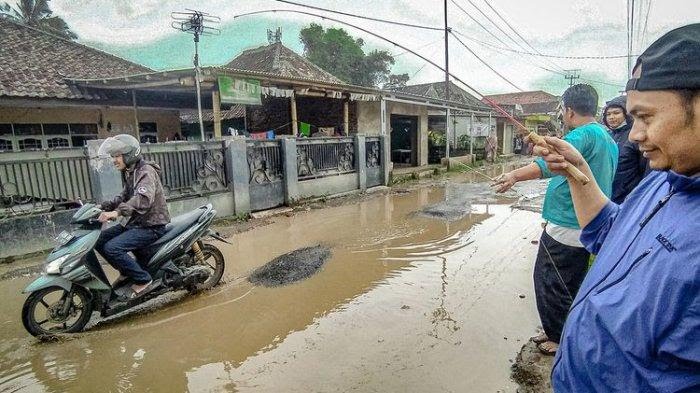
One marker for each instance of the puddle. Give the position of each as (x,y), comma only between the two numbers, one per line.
(404,303)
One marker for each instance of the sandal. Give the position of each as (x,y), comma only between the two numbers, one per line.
(549,350)
(540,338)
(146,290)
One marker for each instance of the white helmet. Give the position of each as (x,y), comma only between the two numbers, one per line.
(125,145)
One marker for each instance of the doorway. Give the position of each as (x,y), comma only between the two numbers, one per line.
(404,140)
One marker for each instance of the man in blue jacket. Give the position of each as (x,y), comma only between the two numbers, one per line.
(562,260)
(635,323)
(631,165)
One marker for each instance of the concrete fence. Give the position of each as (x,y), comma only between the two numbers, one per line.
(236,175)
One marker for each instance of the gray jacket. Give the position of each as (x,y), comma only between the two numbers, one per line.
(142,200)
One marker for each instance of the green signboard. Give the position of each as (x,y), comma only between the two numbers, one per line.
(239,91)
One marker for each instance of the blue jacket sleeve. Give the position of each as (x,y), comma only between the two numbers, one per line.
(593,235)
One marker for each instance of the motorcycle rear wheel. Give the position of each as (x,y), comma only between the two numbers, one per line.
(45,307)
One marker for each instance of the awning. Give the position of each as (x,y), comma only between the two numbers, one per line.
(191,116)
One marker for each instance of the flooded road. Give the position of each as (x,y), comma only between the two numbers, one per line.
(407,302)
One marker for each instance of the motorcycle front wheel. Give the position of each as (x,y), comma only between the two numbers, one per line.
(44,312)
(214,262)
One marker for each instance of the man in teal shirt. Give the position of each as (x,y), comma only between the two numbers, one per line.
(562,260)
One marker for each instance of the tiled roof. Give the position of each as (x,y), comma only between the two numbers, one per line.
(34,63)
(525,97)
(541,107)
(277,59)
(437,90)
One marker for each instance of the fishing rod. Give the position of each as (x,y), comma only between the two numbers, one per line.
(522,130)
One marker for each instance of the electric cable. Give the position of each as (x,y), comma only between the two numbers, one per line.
(485,63)
(362,16)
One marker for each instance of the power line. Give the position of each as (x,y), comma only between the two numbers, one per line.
(497,49)
(484,43)
(480,24)
(420,47)
(631,38)
(485,63)
(517,33)
(361,16)
(646,21)
(439,67)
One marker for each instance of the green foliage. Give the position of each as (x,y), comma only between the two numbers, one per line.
(337,52)
(436,138)
(38,14)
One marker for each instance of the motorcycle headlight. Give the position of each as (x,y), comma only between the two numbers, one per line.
(54,267)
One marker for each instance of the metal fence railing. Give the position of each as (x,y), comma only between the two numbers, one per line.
(320,157)
(42,180)
(264,161)
(189,168)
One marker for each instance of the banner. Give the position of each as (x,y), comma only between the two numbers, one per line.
(239,91)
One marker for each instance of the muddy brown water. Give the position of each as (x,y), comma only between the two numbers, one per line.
(405,303)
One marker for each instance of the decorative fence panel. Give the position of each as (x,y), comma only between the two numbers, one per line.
(266,168)
(373,154)
(321,157)
(37,181)
(189,168)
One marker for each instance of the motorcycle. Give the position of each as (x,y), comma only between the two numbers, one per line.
(71,287)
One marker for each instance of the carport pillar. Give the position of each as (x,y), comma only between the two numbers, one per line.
(295,125)
(385,160)
(346,118)
(289,157)
(361,161)
(137,131)
(216,105)
(382,115)
(447,137)
(238,171)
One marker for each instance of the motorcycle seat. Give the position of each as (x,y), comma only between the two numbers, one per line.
(179,224)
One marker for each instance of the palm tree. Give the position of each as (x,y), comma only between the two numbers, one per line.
(36,13)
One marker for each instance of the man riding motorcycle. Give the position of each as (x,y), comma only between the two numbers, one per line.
(142,206)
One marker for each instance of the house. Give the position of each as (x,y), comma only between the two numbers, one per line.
(41,108)
(537,110)
(468,118)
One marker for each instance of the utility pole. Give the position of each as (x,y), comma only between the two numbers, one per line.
(447,88)
(572,75)
(193,22)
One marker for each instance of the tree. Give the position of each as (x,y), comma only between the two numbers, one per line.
(396,81)
(337,52)
(38,14)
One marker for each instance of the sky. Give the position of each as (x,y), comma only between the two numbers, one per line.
(139,30)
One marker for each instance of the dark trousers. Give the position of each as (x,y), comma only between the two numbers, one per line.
(115,243)
(556,288)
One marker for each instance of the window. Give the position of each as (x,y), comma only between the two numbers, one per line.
(29,144)
(5,144)
(54,143)
(6,137)
(6,129)
(83,129)
(45,136)
(148,132)
(82,132)
(27,129)
(55,129)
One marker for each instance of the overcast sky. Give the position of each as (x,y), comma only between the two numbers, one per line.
(140,31)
